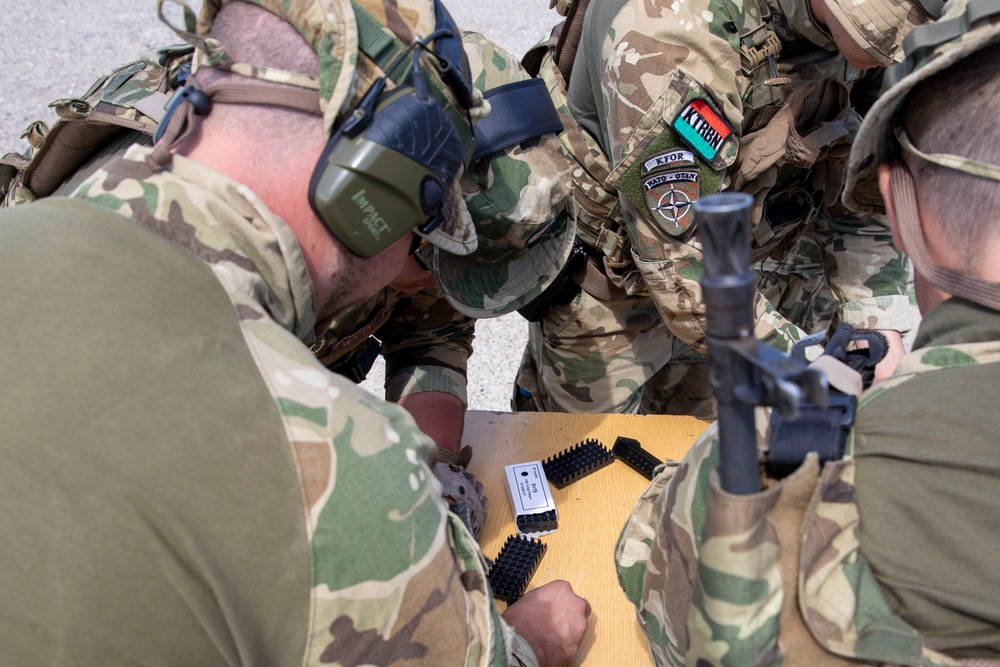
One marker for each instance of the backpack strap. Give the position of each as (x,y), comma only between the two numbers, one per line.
(569,37)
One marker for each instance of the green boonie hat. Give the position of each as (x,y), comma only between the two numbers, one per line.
(518,201)
(879,26)
(965,27)
(331,28)
(506,273)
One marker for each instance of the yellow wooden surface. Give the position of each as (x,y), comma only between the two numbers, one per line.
(591,510)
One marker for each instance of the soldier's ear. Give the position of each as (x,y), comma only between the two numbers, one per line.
(885,187)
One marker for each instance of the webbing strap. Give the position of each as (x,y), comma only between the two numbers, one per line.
(382,47)
(376,42)
(298,99)
(519,111)
(569,38)
(969,287)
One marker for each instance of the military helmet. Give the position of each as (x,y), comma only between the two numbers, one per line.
(965,26)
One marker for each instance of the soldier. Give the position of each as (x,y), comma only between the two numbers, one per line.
(425,341)
(665,102)
(886,556)
(184,483)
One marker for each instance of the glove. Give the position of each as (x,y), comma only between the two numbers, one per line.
(467,492)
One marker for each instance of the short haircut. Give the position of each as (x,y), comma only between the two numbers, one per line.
(254,36)
(955,111)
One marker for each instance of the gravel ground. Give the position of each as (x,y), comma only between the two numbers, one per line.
(53,49)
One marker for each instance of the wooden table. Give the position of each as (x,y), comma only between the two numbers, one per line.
(591,510)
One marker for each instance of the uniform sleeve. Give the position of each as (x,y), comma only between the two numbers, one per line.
(671,140)
(426,344)
(395,574)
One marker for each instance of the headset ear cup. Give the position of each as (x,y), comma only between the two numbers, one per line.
(371,189)
(421,130)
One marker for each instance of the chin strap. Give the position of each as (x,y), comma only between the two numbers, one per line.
(191,103)
(907,215)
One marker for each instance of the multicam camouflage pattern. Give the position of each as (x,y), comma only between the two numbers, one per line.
(621,365)
(520,184)
(769,578)
(404,602)
(879,26)
(525,238)
(518,199)
(783,139)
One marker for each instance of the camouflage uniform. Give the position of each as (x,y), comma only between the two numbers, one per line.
(703,569)
(192,404)
(666,104)
(394,577)
(425,341)
(881,556)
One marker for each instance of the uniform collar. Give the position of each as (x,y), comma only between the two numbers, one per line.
(222,222)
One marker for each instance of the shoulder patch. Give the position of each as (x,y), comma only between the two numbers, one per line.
(668,159)
(702,128)
(669,195)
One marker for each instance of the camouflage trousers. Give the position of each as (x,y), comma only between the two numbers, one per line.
(618,356)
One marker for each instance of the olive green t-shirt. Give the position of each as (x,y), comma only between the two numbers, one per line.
(136,438)
(928,485)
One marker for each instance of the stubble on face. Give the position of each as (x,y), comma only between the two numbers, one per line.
(353,280)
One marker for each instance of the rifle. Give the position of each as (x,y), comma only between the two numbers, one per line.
(743,371)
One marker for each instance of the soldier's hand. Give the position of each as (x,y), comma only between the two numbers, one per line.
(552,619)
(887,366)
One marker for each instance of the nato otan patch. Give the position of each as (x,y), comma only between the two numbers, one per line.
(702,128)
(669,195)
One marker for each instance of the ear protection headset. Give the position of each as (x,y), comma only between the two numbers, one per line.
(388,169)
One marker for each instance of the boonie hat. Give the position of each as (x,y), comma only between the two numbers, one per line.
(518,199)
(965,26)
(879,26)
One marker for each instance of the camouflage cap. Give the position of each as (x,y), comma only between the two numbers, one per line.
(518,201)
(505,273)
(879,26)
(345,73)
(965,27)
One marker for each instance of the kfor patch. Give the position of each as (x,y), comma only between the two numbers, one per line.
(702,128)
(670,183)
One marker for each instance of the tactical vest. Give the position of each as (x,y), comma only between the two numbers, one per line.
(122,108)
(789,174)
